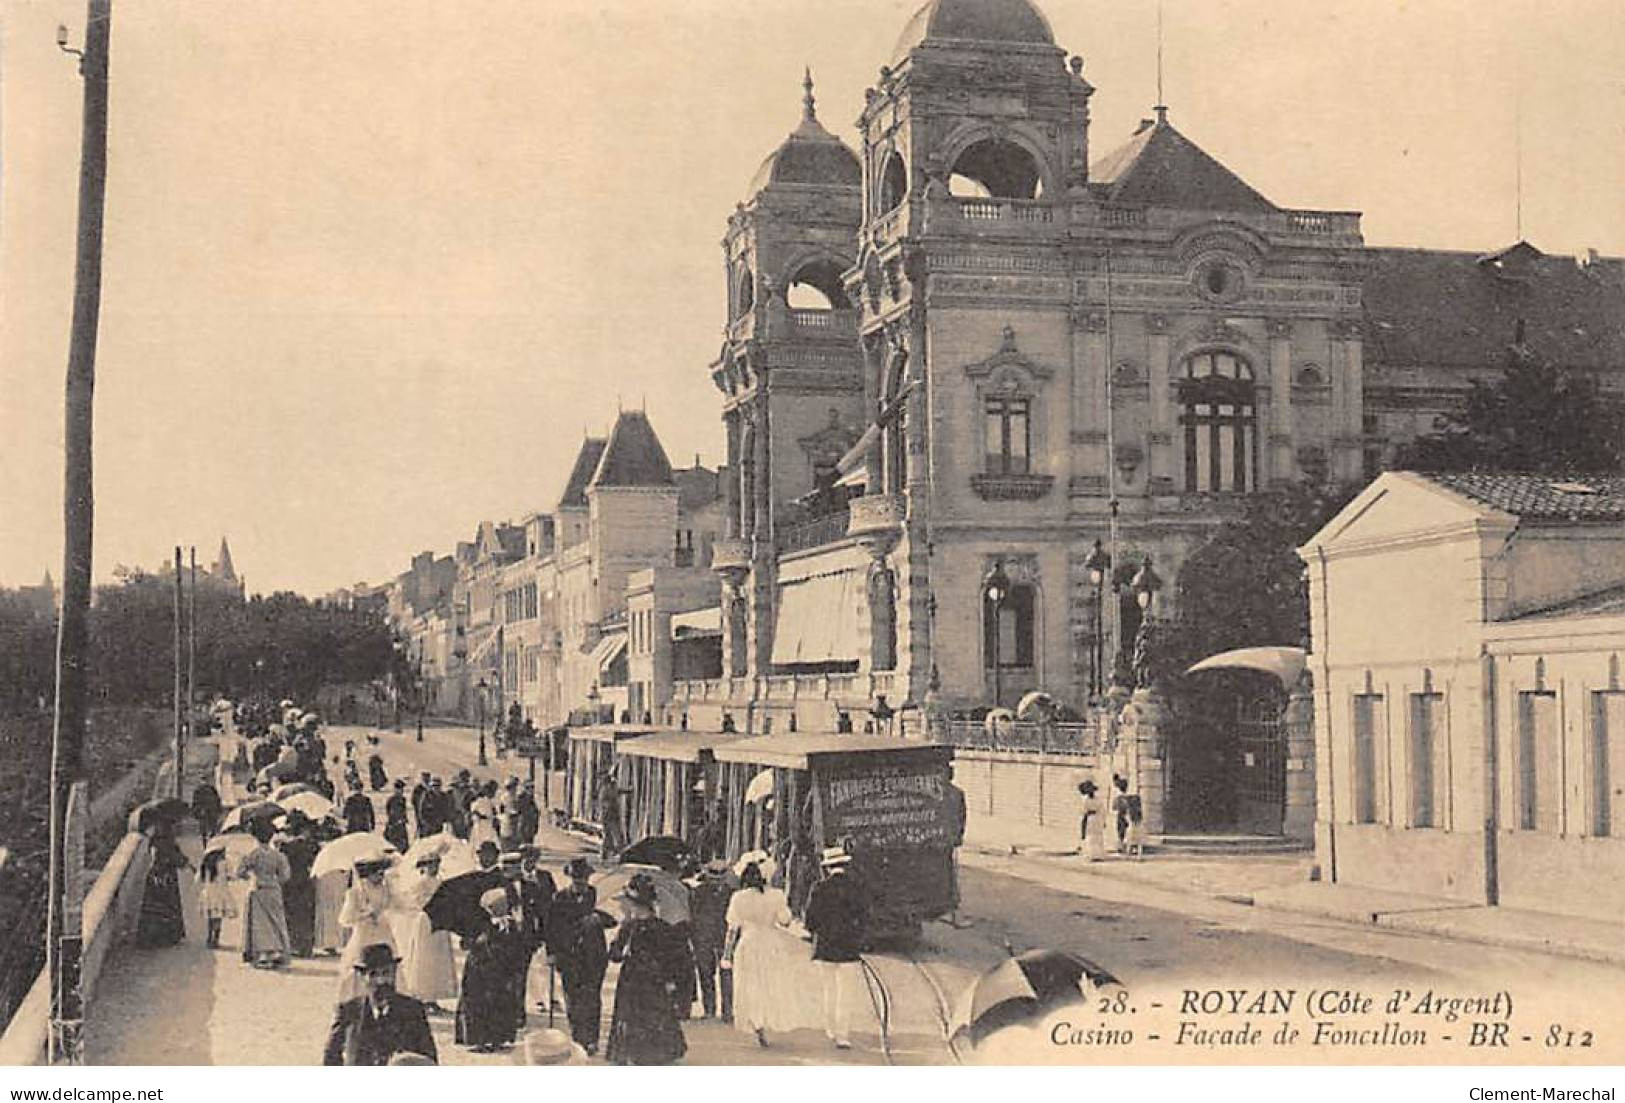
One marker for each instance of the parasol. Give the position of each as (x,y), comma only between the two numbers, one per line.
(671,895)
(456,856)
(665,852)
(1285,663)
(314,805)
(1024,988)
(995,718)
(344,852)
(760,787)
(1035,705)
(455,905)
(240,817)
(234,845)
(169,810)
(286,704)
(282,792)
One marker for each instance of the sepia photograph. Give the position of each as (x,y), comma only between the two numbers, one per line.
(812,532)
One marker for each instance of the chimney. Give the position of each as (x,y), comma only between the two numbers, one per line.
(1145,124)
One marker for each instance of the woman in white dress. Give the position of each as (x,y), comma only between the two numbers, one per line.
(363,912)
(482,818)
(1093,827)
(765,958)
(428,972)
(331,888)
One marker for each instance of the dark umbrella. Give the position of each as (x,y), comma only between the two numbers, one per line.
(168,810)
(240,817)
(1025,987)
(455,905)
(665,851)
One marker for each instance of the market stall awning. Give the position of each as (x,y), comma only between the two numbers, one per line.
(790,750)
(678,746)
(608,650)
(817,620)
(1286,663)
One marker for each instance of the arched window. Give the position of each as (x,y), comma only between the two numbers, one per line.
(995,169)
(1221,424)
(817,286)
(1010,630)
(893,183)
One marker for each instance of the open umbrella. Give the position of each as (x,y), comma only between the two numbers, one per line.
(282,792)
(286,704)
(760,787)
(997,718)
(666,852)
(1285,663)
(169,810)
(314,805)
(345,851)
(455,905)
(1035,705)
(671,895)
(1024,988)
(240,817)
(456,856)
(234,845)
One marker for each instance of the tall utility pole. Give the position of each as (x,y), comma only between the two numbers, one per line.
(63,929)
(180,715)
(191,644)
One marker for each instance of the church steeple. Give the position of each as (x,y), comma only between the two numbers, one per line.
(223,569)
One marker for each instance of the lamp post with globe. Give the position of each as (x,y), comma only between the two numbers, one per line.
(995,589)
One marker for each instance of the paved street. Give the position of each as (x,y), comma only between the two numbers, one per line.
(189,1004)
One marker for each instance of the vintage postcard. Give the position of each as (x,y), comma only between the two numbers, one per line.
(857,532)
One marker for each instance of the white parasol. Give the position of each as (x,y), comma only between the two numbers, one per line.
(1034,705)
(314,805)
(760,787)
(995,718)
(343,853)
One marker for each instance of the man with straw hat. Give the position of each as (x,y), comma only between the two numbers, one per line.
(838,920)
(380,1025)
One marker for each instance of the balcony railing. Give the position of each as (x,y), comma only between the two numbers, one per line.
(828,529)
(1021,736)
(1005,210)
(836,323)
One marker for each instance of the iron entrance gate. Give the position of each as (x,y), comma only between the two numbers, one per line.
(1260,766)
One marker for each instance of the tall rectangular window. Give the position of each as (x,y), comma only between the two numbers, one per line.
(1538,763)
(1014,629)
(1009,436)
(1426,772)
(1608,763)
(1369,738)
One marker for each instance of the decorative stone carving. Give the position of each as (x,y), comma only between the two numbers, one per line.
(1280,329)
(1088,320)
(1128,458)
(830,443)
(1156,323)
(1012,488)
(1008,356)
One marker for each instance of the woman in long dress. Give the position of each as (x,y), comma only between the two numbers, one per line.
(299,894)
(763,956)
(363,912)
(162,922)
(328,935)
(644,1029)
(482,815)
(1093,827)
(428,971)
(265,931)
(487,1019)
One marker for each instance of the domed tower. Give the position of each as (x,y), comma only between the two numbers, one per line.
(789,367)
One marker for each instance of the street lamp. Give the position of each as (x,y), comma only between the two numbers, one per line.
(479,702)
(418,685)
(1145,585)
(1099,566)
(995,588)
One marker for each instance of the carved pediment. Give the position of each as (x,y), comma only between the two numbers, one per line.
(831,442)
(1008,363)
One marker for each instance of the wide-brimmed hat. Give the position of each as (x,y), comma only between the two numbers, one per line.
(577,868)
(366,867)
(834,856)
(399,784)
(640,889)
(379,955)
(550,1046)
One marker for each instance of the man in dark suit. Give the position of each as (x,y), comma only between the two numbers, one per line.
(378,1025)
(838,920)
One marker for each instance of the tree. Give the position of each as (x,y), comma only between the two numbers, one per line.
(1536,418)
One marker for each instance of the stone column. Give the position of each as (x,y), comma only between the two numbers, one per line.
(1351,430)
(1162,478)
(731,484)
(1142,736)
(1281,466)
(1299,724)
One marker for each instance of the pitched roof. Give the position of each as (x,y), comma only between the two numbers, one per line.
(633,456)
(1160,167)
(575,488)
(1579,498)
(1462,309)
(697,487)
(1598,603)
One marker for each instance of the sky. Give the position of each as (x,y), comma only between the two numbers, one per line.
(374,267)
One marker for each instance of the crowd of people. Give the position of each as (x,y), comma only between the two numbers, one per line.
(396,935)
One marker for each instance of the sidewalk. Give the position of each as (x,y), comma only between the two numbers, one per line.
(1281,882)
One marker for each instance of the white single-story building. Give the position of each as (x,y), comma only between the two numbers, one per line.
(1470,717)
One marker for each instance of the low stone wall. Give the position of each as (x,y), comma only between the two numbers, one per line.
(1015,794)
(111,908)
